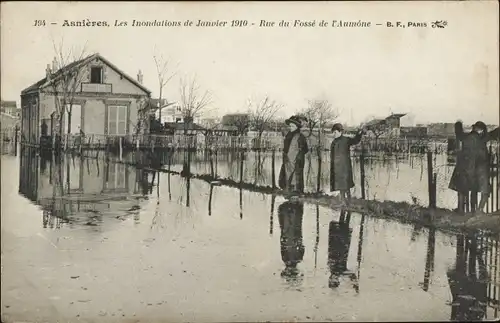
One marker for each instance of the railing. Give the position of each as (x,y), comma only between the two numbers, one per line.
(97,87)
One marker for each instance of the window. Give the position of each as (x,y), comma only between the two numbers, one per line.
(117,120)
(96,75)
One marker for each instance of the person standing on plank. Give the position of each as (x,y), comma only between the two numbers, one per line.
(471,171)
(341,178)
(291,176)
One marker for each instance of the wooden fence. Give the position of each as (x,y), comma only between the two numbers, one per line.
(197,142)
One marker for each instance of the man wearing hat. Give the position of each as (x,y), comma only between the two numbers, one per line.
(341,178)
(291,176)
(471,173)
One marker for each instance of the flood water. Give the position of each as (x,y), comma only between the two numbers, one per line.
(398,177)
(85,240)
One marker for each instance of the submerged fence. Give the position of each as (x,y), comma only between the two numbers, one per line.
(412,178)
(266,142)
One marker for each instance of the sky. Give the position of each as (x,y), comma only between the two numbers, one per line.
(433,74)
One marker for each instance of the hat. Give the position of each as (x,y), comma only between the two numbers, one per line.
(295,120)
(338,127)
(480,125)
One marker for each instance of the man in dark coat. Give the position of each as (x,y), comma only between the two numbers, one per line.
(291,176)
(471,172)
(290,215)
(341,178)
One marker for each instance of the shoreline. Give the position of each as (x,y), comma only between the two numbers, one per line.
(438,218)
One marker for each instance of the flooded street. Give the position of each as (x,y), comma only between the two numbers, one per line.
(92,241)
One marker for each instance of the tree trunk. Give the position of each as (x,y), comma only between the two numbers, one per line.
(69,121)
(61,128)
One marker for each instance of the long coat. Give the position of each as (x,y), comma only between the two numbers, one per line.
(340,163)
(291,176)
(472,169)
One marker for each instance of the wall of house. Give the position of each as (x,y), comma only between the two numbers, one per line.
(30,118)
(120,84)
(93,111)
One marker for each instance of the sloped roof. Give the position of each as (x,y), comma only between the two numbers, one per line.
(396,115)
(43,82)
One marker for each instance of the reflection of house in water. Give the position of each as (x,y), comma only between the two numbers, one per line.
(76,185)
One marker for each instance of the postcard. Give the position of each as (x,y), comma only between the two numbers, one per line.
(214,161)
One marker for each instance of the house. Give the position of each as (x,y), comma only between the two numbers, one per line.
(10,108)
(172,112)
(102,100)
(387,127)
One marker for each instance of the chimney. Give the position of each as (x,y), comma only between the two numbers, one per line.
(54,65)
(139,77)
(47,72)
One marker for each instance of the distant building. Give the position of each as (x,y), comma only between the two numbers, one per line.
(172,112)
(413,132)
(387,127)
(106,100)
(441,130)
(10,108)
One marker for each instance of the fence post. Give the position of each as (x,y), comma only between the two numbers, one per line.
(430,180)
(318,177)
(216,161)
(362,166)
(273,169)
(210,156)
(242,154)
(15,140)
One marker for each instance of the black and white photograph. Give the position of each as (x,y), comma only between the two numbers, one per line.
(309,161)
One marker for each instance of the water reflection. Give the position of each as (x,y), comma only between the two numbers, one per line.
(473,287)
(290,214)
(76,189)
(429,260)
(339,242)
(92,193)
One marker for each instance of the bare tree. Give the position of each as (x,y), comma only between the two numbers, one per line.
(65,79)
(378,129)
(240,121)
(262,112)
(194,102)
(318,114)
(164,76)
